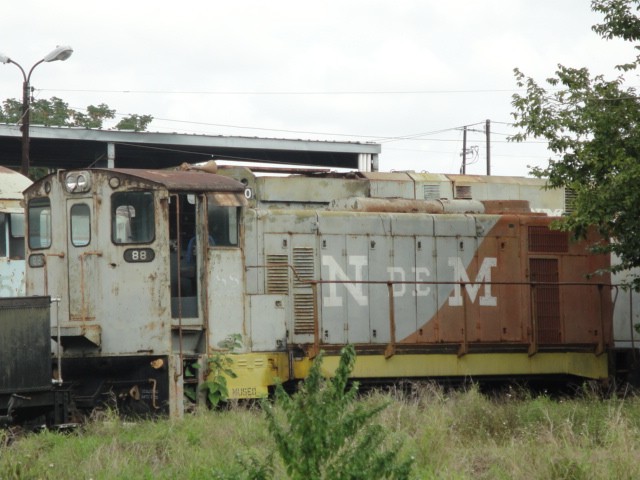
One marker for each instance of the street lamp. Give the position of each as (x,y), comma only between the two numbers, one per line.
(59,53)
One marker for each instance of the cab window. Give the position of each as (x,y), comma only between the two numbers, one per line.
(39,222)
(132,217)
(223,225)
(80,225)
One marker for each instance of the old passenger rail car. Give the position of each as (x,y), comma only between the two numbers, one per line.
(12,264)
(155,269)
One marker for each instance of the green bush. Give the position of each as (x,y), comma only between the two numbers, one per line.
(321,432)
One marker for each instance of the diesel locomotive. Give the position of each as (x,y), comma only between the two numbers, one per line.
(429,276)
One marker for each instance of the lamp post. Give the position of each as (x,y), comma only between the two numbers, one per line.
(59,53)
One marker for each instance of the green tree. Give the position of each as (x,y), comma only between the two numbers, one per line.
(322,432)
(137,123)
(592,126)
(94,117)
(55,112)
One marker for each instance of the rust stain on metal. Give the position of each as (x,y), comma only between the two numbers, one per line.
(405,205)
(82,282)
(177,180)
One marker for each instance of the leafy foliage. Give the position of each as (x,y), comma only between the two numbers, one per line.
(219,368)
(322,433)
(592,125)
(57,113)
(137,123)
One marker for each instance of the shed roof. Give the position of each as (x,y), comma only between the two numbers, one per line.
(65,147)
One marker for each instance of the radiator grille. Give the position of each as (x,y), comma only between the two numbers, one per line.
(544,240)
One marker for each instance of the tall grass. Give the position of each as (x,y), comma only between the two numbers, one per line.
(460,434)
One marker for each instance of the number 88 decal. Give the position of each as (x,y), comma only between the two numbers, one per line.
(139,255)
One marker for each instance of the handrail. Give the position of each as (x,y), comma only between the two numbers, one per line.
(464,347)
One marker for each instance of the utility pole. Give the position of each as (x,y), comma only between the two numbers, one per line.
(488,133)
(463,170)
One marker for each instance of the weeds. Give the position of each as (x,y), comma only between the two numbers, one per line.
(451,434)
(219,368)
(322,432)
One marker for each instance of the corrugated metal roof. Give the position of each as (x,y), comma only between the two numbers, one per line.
(70,148)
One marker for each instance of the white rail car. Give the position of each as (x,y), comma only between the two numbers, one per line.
(12,263)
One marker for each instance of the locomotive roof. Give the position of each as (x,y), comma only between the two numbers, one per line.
(190,180)
(174,180)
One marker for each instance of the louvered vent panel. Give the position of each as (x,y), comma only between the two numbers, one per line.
(431,192)
(569,200)
(277,274)
(303,307)
(544,240)
(303,263)
(463,192)
(547,299)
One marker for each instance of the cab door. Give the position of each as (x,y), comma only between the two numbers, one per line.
(83,258)
(185,254)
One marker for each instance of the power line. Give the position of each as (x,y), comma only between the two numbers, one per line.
(282,92)
(374,138)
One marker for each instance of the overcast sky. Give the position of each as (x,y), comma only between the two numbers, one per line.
(348,70)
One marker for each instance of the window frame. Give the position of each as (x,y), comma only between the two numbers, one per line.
(43,208)
(149,222)
(71,222)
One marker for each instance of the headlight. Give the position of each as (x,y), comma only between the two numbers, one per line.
(77,182)
(36,260)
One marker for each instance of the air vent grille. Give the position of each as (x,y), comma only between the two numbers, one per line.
(303,262)
(544,240)
(431,192)
(277,274)
(463,192)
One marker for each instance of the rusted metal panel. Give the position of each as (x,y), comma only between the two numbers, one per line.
(400,205)
(390,184)
(308,190)
(179,180)
(506,207)
(541,239)
(227,199)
